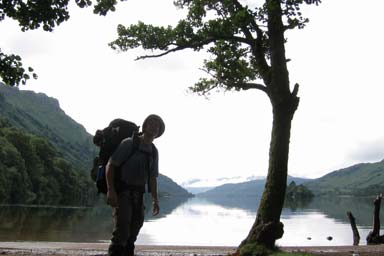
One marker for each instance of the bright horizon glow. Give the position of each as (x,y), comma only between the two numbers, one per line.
(336,60)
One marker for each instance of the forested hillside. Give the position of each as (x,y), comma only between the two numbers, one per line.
(365,179)
(32,172)
(38,114)
(47,156)
(167,187)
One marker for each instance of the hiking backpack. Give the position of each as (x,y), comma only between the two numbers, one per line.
(108,140)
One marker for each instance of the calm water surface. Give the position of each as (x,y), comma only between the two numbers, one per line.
(194,221)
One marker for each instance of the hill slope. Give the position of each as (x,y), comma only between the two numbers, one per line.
(41,115)
(167,187)
(365,179)
(38,114)
(253,188)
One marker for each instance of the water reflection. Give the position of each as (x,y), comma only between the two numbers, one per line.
(194,221)
(248,203)
(72,224)
(50,224)
(332,207)
(312,222)
(337,207)
(198,222)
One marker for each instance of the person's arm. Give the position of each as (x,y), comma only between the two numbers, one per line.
(111,193)
(155,200)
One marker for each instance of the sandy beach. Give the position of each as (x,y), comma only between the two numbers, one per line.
(100,249)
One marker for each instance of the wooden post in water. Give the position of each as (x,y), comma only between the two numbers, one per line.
(356,236)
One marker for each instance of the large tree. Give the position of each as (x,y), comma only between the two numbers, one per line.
(33,14)
(247,47)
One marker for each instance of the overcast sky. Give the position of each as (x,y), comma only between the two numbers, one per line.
(337,60)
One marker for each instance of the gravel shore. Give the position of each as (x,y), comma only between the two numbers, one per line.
(100,249)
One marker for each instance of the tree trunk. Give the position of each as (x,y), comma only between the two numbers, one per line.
(376,216)
(374,236)
(267,227)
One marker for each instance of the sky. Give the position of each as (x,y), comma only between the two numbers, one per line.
(337,60)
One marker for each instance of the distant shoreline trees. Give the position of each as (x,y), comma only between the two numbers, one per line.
(297,196)
(298,192)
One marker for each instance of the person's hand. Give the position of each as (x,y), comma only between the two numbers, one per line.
(155,208)
(112,198)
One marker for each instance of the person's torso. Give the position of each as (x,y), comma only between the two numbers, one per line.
(136,170)
(136,162)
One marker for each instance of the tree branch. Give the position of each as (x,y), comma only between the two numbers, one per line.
(247,86)
(290,26)
(243,86)
(195,44)
(160,54)
(256,45)
(295,90)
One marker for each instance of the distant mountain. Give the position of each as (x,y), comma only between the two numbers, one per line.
(253,188)
(364,179)
(38,114)
(196,182)
(196,185)
(197,190)
(167,187)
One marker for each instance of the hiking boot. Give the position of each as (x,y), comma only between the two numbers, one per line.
(129,250)
(116,250)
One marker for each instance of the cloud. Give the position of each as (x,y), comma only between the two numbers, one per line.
(369,151)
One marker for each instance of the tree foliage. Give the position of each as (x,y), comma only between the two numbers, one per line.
(35,14)
(236,35)
(32,172)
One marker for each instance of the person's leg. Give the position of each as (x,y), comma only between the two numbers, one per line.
(122,218)
(136,223)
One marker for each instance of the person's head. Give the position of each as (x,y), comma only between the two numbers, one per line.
(153,126)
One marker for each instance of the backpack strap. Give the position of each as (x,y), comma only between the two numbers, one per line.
(150,161)
(135,147)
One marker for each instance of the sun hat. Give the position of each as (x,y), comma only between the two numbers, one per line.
(158,118)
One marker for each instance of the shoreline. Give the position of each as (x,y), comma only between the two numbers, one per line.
(100,249)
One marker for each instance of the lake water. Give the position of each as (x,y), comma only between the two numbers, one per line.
(193,221)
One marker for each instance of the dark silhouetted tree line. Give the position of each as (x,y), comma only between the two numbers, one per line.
(32,172)
(298,192)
